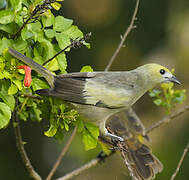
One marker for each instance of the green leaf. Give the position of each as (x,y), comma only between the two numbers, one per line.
(89,141)
(86,69)
(8,99)
(39,84)
(92,129)
(25,34)
(62,62)
(18,83)
(80,125)
(9,28)
(20,44)
(16,4)
(48,20)
(4,43)
(157,102)
(5,115)
(73,32)
(51,131)
(52,65)
(24,115)
(50,33)
(63,40)
(36,114)
(12,89)
(154,93)
(62,23)
(6,16)
(48,48)
(56,5)
(66,126)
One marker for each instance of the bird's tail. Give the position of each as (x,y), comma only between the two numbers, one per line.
(144,165)
(35,66)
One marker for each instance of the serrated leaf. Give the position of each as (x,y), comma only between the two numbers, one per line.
(61,23)
(73,32)
(6,16)
(5,115)
(86,69)
(12,89)
(62,62)
(39,84)
(63,40)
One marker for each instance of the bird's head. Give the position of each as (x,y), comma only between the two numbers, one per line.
(155,74)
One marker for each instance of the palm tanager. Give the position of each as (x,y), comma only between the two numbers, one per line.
(102,96)
(99,95)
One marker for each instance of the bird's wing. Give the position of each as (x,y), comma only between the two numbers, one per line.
(106,89)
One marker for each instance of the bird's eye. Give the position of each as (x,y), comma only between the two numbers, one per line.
(162,71)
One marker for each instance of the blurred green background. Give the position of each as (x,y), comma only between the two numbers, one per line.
(161,36)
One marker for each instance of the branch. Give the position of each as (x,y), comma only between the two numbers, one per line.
(74,43)
(166,119)
(21,149)
(86,166)
(64,150)
(128,30)
(180,162)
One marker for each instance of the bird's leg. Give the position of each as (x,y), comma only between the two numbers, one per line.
(105,132)
(113,136)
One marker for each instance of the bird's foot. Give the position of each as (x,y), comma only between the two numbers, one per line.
(114,137)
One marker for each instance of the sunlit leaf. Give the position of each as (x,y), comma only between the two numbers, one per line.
(5,115)
(62,23)
(6,16)
(86,69)
(12,89)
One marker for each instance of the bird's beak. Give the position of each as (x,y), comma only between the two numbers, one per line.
(174,80)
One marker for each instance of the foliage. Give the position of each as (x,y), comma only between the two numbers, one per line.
(30,27)
(167,97)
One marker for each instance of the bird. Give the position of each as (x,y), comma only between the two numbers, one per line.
(105,99)
(99,95)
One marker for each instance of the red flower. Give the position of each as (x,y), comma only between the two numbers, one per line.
(27,78)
